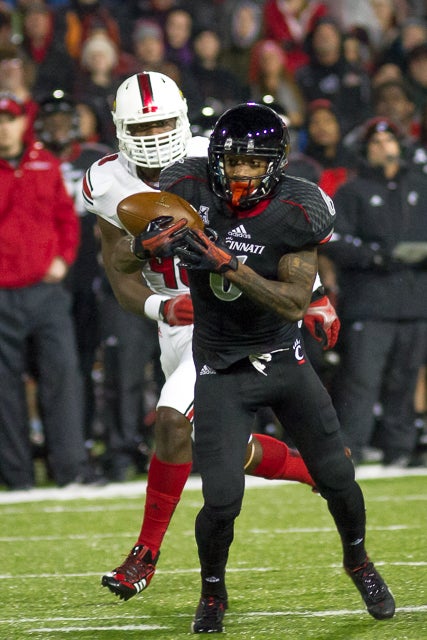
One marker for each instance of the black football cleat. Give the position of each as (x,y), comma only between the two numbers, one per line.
(374,591)
(134,575)
(209,615)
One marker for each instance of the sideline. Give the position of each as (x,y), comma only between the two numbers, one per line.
(137,488)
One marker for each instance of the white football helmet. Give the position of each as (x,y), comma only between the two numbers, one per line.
(149,97)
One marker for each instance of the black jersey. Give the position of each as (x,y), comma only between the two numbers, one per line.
(228,324)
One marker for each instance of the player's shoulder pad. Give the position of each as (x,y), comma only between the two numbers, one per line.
(317,207)
(97,181)
(188,169)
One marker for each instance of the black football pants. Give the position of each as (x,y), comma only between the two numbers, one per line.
(225,402)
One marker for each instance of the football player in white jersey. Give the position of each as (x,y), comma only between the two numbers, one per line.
(153,130)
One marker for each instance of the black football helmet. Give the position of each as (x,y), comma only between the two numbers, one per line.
(253,130)
(57,136)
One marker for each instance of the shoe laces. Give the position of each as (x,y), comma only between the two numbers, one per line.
(371,580)
(138,563)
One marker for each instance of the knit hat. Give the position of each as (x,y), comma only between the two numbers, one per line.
(147,29)
(321,103)
(99,43)
(376,125)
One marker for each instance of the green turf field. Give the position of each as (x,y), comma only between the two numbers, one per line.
(285,579)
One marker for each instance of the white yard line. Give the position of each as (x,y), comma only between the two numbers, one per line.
(159,572)
(331,613)
(137,488)
(254,531)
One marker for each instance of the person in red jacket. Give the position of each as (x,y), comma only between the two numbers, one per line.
(290,23)
(39,232)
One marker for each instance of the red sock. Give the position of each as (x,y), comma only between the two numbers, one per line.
(165,483)
(279,462)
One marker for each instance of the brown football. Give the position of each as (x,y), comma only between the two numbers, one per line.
(136,211)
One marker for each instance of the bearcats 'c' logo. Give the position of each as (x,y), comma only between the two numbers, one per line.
(298,351)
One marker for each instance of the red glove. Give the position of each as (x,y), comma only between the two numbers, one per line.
(159,238)
(178,311)
(322,322)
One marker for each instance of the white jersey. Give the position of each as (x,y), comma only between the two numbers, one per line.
(106,182)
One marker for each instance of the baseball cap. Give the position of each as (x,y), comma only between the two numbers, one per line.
(11,104)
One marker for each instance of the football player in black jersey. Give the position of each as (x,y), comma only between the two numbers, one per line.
(251,275)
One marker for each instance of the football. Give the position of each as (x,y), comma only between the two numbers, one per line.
(136,211)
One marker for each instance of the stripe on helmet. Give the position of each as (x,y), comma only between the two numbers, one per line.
(146,92)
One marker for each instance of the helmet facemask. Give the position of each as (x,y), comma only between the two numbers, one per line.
(249,130)
(151,97)
(245,191)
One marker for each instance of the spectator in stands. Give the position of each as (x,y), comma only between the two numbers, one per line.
(218,86)
(290,22)
(386,28)
(383,287)
(416,74)
(58,128)
(244,26)
(131,359)
(17,75)
(42,44)
(325,146)
(155,10)
(89,121)
(82,19)
(97,80)
(357,49)
(40,235)
(329,75)
(268,76)
(177,33)
(149,51)
(394,100)
(411,32)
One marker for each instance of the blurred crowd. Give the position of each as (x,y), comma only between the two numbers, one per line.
(341,73)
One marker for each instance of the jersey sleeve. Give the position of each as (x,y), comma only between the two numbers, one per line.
(97,194)
(316,224)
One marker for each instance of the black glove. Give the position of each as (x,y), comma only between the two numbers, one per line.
(159,238)
(204,251)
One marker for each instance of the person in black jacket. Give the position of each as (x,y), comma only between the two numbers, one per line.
(330,76)
(379,247)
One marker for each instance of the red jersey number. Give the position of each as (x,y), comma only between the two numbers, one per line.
(172,272)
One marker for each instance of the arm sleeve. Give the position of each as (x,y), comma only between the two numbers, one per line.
(346,248)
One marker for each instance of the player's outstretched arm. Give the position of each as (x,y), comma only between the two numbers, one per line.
(123,270)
